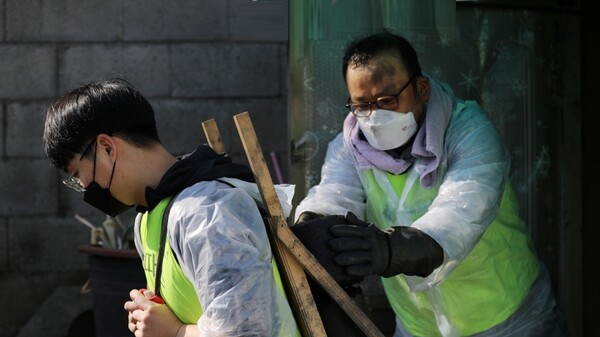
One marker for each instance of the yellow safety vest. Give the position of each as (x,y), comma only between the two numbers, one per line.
(485,289)
(176,289)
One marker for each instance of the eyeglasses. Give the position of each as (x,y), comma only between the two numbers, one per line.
(73,181)
(385,102)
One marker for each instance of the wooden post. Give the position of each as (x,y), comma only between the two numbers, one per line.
(293,277)
(290,251)
(213,137)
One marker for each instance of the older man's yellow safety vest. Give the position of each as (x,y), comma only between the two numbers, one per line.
(485,289)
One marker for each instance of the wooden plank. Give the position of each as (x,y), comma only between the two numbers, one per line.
(302,318)
(293,253)
(213,137)
(294,279)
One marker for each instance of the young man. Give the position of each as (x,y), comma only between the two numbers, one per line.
(429,172)
(214,254)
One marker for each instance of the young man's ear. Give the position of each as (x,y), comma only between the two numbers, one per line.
(106,143)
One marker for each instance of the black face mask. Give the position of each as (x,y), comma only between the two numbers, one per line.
(101,198)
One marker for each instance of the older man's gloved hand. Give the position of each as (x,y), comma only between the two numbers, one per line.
(364,249)
(312,229)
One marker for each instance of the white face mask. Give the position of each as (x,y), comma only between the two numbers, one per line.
(386,130)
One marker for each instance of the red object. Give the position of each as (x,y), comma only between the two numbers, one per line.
(155,299)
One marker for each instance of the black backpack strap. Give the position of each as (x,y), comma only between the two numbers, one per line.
(225,182)
(163,241)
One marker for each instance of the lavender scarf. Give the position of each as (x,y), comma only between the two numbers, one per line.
(427,147)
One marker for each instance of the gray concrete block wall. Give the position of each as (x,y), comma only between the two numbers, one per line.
(236,70)
(26,121)
(59,20)
(2,11)
(28,71)
(29,187)
(3,246)
(46,244)
(146,65)
(2,114)
(267,24)
(193,60)
(176,20)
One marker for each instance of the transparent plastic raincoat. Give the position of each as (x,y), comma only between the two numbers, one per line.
(219,239)
(490,282)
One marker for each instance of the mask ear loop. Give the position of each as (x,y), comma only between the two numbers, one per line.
(112,174)
(94,170)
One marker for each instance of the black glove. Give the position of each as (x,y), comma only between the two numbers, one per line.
(336,321)
(312,229)
(363,249)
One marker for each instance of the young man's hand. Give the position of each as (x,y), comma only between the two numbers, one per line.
(147,318)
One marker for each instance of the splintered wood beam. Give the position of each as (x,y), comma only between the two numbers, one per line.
(291,253)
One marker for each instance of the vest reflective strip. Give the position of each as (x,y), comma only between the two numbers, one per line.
(176,289)
(484,290)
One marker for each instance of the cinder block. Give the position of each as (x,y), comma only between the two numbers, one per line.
(225,70)
(179,122)
(24,130)
(2,16)
(46,244)
(27,71)
(259,20)
(3,246)
(157,20)
(285,68)
(2,147)
(58,20)
(269,118)
(28,188)
(146,66)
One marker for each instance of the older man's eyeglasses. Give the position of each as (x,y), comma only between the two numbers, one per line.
(385,102)
(73,181)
